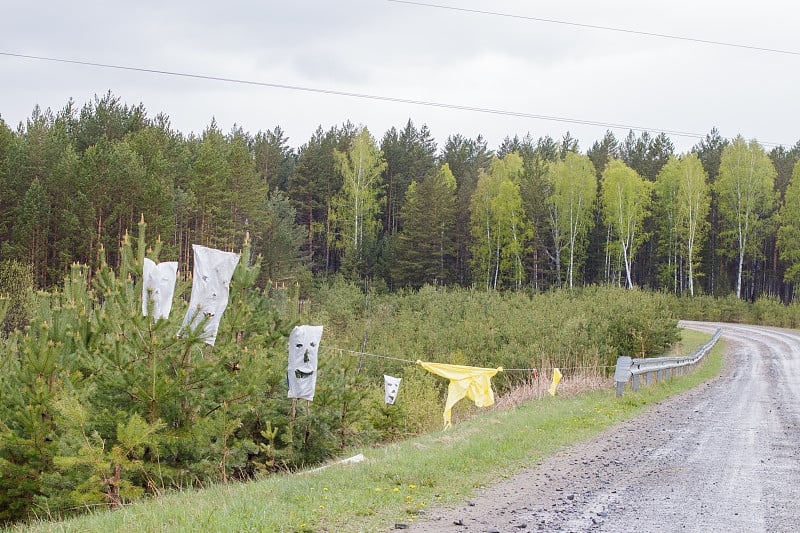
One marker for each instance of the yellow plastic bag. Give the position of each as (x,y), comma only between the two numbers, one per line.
(556,379)
(473,382)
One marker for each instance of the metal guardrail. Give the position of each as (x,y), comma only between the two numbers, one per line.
(658,368)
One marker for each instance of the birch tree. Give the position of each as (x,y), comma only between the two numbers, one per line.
(357,206)
(694,204)
(666,214)
(570,207)
(626,200)
(498,223)
(745,195)
(511,232)
(789,231)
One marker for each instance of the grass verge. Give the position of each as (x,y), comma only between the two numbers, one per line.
(397,480)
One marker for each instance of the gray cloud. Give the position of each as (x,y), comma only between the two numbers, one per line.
(378,47)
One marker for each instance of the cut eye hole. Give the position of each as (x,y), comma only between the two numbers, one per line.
(313,344)
(298,345)
(300,374)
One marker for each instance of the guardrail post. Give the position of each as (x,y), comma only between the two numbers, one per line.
(636,382)
(622,373)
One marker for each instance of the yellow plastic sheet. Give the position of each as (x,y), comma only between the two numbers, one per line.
(556,379)
(473,382)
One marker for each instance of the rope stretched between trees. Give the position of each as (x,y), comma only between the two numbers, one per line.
(354,352)
(409,361)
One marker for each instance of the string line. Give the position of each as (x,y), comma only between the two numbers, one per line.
(354,352)
(409,361)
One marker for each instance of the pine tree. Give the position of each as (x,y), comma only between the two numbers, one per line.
(709,151)
(426,247)
(210,174)
(466,158)
(312,189)
(665,211)
(274,159)
(409,157)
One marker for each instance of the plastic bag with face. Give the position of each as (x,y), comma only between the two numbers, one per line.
(158,284)
(391,386)
(211,280)
(303,357)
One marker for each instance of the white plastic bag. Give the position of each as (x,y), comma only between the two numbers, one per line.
(211,280)
(303,357)
(391,386)
(158,284)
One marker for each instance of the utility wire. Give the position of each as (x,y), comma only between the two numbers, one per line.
(317,90)
(503,112)
(598,27)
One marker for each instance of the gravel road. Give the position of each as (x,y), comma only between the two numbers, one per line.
(724,456)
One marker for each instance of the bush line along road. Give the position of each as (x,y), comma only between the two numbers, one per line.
(721,457)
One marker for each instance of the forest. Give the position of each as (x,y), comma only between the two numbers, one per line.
(400,249)
(400,211)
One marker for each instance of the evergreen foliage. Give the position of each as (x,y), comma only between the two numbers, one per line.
(425,250)
(73,182)
(16,292)
(101,404)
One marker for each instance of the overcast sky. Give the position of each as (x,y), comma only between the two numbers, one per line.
(413,52)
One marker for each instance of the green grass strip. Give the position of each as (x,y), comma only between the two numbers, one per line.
(397,480)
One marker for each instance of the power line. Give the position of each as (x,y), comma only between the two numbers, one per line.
(458,107)
(381,98)
(604,28)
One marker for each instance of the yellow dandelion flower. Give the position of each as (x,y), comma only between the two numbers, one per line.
(396,489)
(377,489)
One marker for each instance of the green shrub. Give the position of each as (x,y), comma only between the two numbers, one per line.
(766,310)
